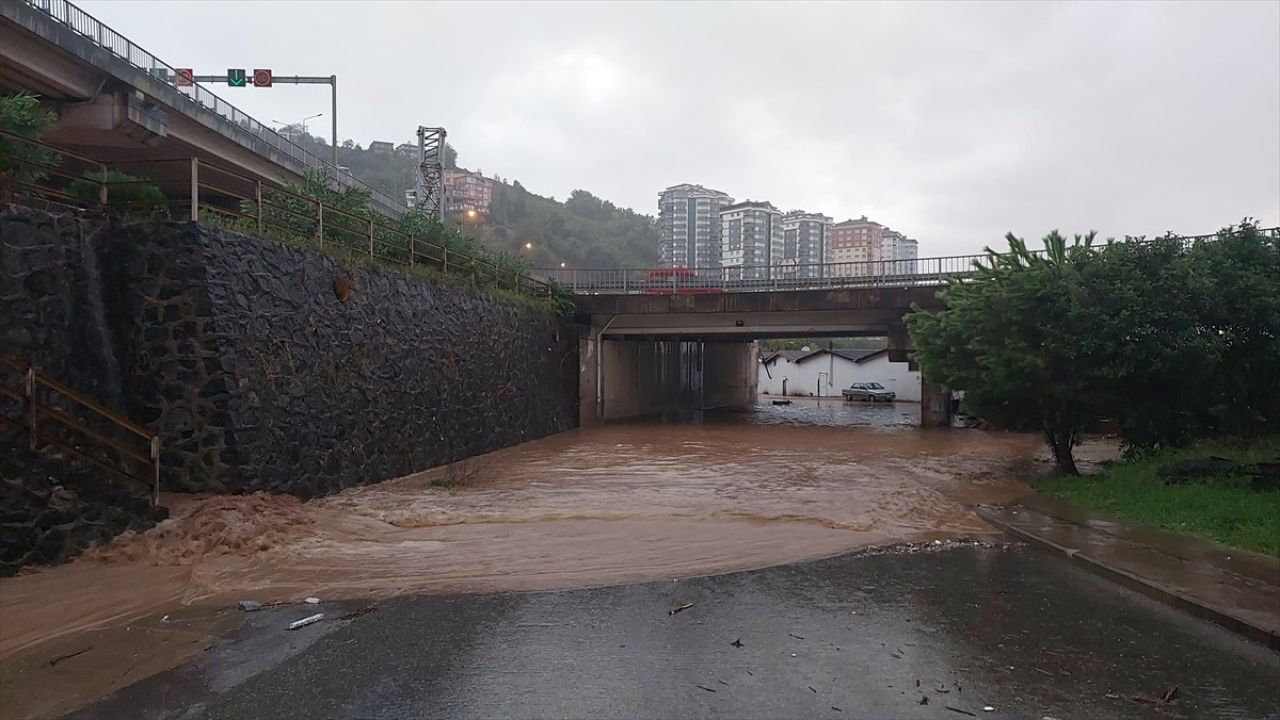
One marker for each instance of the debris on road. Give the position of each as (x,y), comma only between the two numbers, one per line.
(1166,698)
(305,621)
(248,605)
(362,611)
(312,601)
(833,707)
(679,608)
(737,643)
(798,637)
(924,700)
(962,711)
(812,688)
(704,687)
(988,708)
(53,662)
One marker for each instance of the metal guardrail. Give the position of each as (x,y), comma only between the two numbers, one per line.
(36,415)
(918,272)
(89,27)
(204,192)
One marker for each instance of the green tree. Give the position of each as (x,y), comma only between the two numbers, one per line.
(128,194)
(1174,340)
(1238,283)
(1010,338)
(23,163)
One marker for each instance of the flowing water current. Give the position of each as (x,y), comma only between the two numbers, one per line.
(624,502)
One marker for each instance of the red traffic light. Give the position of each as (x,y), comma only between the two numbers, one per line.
(262,77)
(184,77)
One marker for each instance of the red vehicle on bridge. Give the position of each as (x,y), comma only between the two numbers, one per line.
(679,281)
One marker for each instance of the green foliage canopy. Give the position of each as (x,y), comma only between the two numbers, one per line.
(22,162)
(1174,341)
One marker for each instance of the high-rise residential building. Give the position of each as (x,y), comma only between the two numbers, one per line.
(898,251)
(855,244)
(806,242)
(750,240)
(689,225)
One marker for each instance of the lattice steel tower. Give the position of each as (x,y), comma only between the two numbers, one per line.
(430,187)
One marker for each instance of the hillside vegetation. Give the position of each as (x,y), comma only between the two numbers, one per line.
(582,231)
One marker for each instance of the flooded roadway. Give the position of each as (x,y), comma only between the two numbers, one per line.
(625,502)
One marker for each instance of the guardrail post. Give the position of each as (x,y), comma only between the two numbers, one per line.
(445,261)
(102,185)
(624,283)
(155,470)
(412,250)
(320,224)
(258,199)
(29,391)
(195,189)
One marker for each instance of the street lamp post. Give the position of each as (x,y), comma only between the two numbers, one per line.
(301,123)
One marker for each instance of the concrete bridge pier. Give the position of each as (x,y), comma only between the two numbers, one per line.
(935,400)
(621,378)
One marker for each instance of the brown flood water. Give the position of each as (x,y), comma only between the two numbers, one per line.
(625,502)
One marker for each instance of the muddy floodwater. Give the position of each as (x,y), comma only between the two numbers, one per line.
(625,502)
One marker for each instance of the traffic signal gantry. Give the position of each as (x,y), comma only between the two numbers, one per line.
(261,77)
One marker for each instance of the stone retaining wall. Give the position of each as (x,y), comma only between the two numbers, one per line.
(270,367)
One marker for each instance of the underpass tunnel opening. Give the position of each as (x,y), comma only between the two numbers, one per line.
(628,375)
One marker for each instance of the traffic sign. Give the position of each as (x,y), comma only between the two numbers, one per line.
(161,74)
(184,77)
(235,77)
(262,77)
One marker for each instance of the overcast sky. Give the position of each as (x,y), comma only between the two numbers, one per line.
(953,123)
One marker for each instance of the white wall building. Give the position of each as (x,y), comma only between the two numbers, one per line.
(824,373)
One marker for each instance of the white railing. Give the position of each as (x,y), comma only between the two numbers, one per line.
(915,272)
(96,32)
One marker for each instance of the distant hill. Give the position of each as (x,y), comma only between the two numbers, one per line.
(583,231)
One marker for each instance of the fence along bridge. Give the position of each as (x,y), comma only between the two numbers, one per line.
(917,272)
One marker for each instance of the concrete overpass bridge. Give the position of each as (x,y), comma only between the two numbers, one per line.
(664,340)
(677,339)
(113,105)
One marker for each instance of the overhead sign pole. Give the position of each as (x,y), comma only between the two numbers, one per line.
(263,77)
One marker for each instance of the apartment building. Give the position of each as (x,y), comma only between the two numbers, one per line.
(465,190)
(751,240)
(806,242)
(689,226)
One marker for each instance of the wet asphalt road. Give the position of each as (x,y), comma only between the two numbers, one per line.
(875,636)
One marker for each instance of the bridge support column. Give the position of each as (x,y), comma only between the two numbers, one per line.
(588,377)
(935,405)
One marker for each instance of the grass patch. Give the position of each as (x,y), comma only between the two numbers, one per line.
(1222,509)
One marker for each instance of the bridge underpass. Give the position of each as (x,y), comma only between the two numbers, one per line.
(652,354)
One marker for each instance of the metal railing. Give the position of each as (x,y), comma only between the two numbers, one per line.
(48,422)
(916,272)
(817,276)
(204,192)
(98,33)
